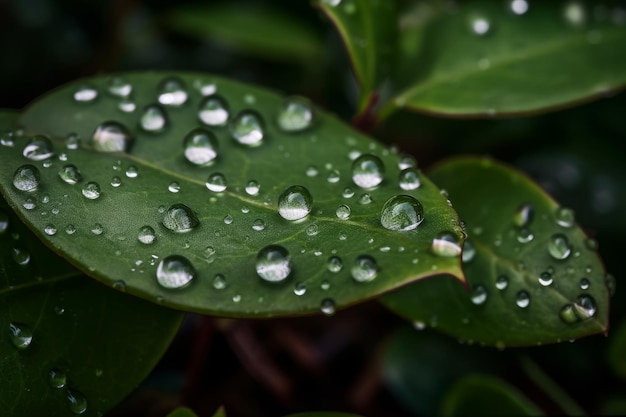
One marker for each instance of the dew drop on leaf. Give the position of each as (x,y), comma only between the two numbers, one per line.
(446,244)
(524,236)
(565,217)
(347,192)
(479,295)
(174,187)
(523,215)
(296,114)
(335,264)
(480,26)
(216,182)
(343,212)
(409,179)
(127,105)
(200,147)
(502,282)
(469,251)
(116,182)
(180,218)
(21,336)
(132,172)
(258,225)
(172,92)
(70,229)
(299,289)
(546,279)
(112,136)
(327,306)
(213,111)
(583,309)
(522,299)
(76,402)
(20,255)
(26,178)
(97,229)
(273,263)
(253,188)
(333,176)
(584,284)
(119,87)
(50,229)
(38,148)
(91,190)
(56,378)
(247,128)
(120,285)
(295,203)
(559,247)
(219,282)
(85,94)
(70,174)
(367,171)
(402,212)
(175,272)
(153,119)
(364,269)
(146,235)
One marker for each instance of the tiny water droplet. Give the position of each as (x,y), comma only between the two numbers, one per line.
(146,235)
(172,92)
(76,402)
(85,94)
(50,230)
(469,251)
(70,174)
(70,229)
(200,147)
(112,136)
(180,218)
(4,222)
(296,114)
(335,264)
(228,219)
(175,272)
(219,282)
(29,204)
(546,279)
(365,199)
(343,212)
(446,244)
(347,192)
(26,178)
(258,225)
(565,217)
(57,378)
(524,215)
(327,306)
(127,105)
(91,190)
(502,282)
(213,111)
(97,229)
(525,236)
(367,171)
(174,187)
(216,182)
(333,176)
(409,179)
(584,284)
(311,171)
(153,119)
(522,299)
(116,182)
(583,309)
(119,87)
(72,141)
(312,230)
(299,289)
(21,336)
(247,128)
(253,188)
(295,203)
(325,285)
(364,269)
(402,212)
(273,263)
(479,295)
(559,247)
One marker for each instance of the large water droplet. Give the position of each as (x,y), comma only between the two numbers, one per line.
(295,203)
(253,188)
(364,269)
(273,263)
(85,94)
(216,182)
(70,174)
(296,114)
(172,92)
(200,147)
(180,218)
(21,336)
(91,190)
(327,306)
(175,272)
(446,244)
(584,308)
(38,148)
(56,378)
(112,137)
(26,178)
(479,295)
(76,402)
(522,299)
(402,212)
(247,128)
(146,235)
(367,171)
(558,247)
(153,119)
(409,179)
(213,111)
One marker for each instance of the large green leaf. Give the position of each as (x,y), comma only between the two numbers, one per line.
(329,258)
(534,275)
(481,59)
(484,395)
(368,30)
(69,345)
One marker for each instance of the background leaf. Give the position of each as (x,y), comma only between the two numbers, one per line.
(139,189)
(617,350)
(522,293)
(482,59)
(483,395)
(368,30)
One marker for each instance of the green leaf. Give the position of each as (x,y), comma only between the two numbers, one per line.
(541,299)
(368,29)
(265,31)
(484,395)
(68,342)
(186,412)
(331,260)
(617,350)
(553,55)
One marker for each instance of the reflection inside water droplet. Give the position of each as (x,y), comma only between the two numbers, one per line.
(175,272)
(273,263)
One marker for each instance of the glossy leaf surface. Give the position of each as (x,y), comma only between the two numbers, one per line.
(225,240)
(486,59)
(534,275)
(368,30)
(483,395)
(69,345)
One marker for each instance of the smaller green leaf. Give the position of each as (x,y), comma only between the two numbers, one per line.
(484,395)
(265,31)
(534,275)
(187,412)
(368,29)
(617,350)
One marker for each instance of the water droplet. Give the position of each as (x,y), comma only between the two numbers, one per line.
(153,119)
(219,282)
(409,179)
(112,137)
(584,308)
(565,217)
(295,203)
(299,289)
(311,171)
(76,402)
(70,174)
(523,215)
(522,299)
(97,229)
(172,92)
(258,225)
(365,199)
(525,236)
(479,295)
(85,94)
(29,204)
(146,235)
(364,269)
(56,378)
(20,256)
(273,263)
(347,192)
(253,188)
(343,212)
(236,298)
(119,87)
(213,111)
(180,218)
(228,219)
(70,229)
(200,147)
(216,182)
(38,148)
(174,187)
(575,14)
(584,284)
(296,114)
(247,128)
(327,306)
(519,7)
(50,230)
(72,141)
(132,172)
(21,335)
(116,182)
(558,247)
(205,88)
(469,251)
(91,190)
(546,279)
(502,282)
(333,176)
(175,272)
(402,212)
(26,178)
(480,26)
(335,264)
(120,285)
(367,171)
